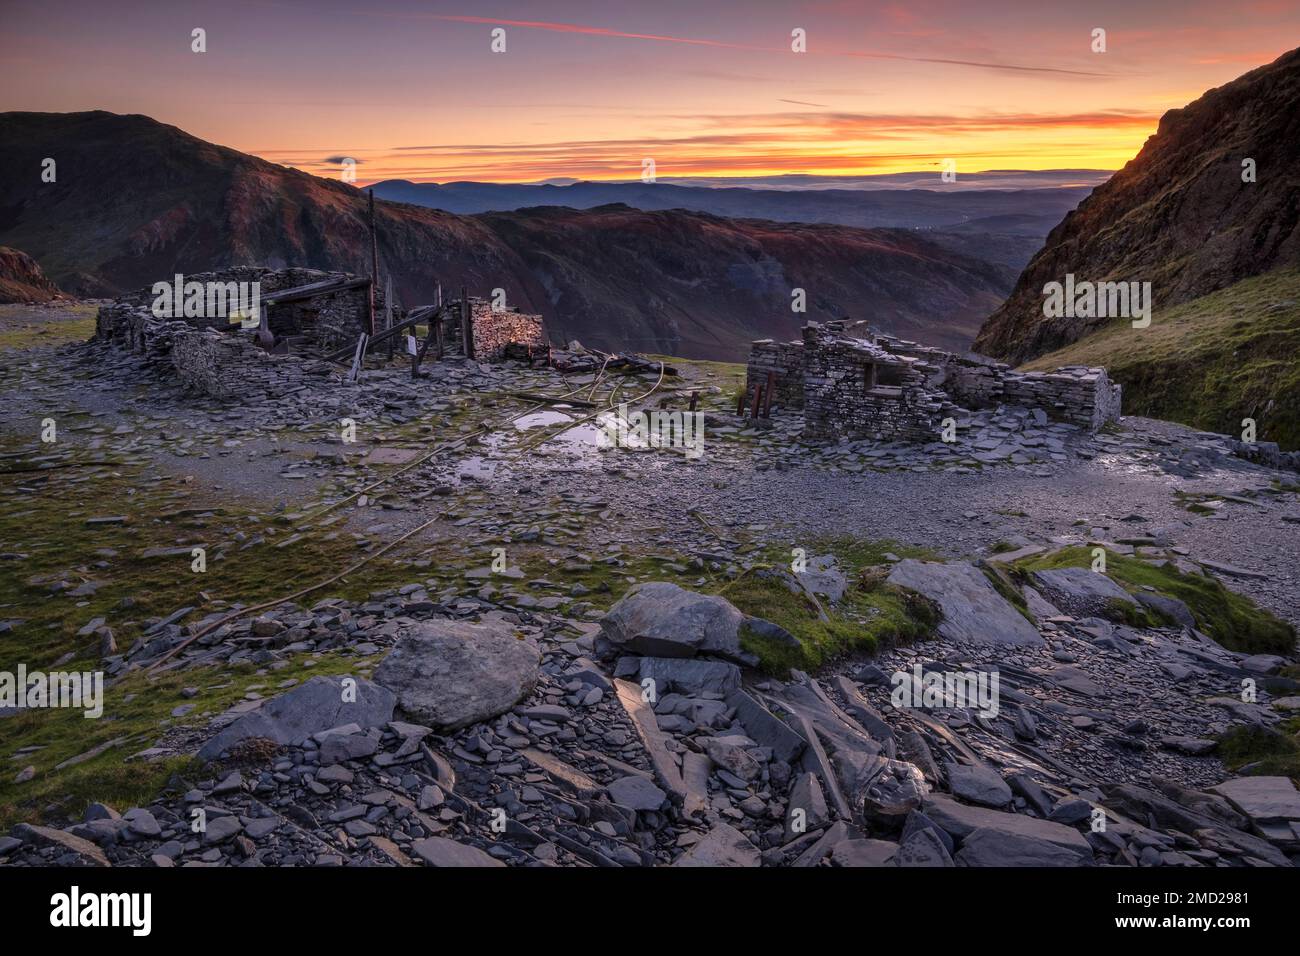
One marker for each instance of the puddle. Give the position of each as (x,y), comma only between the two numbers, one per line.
(542,419)
(476,468)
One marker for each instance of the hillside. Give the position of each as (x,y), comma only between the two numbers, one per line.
(616,275)
(21,279)
(1178,215)
(136,200)
(1210,362)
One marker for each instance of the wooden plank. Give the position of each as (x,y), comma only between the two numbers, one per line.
(388,312)
(313,289)
(355,370)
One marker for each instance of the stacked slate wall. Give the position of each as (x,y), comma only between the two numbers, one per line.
(786,360)
(840,403)
(1076,394)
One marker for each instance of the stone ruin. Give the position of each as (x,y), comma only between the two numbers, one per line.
(495,334)
(307,332)
(853,382)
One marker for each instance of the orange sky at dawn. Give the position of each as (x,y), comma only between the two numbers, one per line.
(590,89)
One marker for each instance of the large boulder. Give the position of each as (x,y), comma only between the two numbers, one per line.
(979,784)
(320,704)
(450,674)
(973,611)
(659,619)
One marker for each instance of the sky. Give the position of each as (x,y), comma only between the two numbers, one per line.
(592,89)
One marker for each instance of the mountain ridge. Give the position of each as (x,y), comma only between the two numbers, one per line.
(1179,215)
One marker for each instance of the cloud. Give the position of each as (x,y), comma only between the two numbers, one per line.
(813,50)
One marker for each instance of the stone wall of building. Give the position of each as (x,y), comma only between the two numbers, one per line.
(336,319)
(1076,394)
(785,359)
(855,390)
(232,367)
(494,330)
(856,383)
(329,321)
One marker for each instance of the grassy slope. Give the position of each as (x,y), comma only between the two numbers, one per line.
(1211,362)
(43,518)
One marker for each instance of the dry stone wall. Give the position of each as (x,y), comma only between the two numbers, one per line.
(785,359)
(1081,396)
(845,399)
(853,383)
(495,330)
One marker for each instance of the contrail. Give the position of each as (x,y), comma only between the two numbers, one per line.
(696,41)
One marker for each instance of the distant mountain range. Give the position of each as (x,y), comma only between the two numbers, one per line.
(1029,212)
(136,201)
(1013,179)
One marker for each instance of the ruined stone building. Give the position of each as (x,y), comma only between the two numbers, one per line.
(852,382)
(494,333)
(303,325)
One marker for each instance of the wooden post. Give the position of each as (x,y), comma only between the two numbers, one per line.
(767,394)
(437,321)
(389,314)
(357,358)
(740,402)
(695,398)
(758,399)
(418,358)
(466,324)
(374,262)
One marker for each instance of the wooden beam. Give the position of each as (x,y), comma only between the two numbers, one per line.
(467,324)
(374,262)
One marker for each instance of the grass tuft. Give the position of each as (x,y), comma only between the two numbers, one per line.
(1232,619)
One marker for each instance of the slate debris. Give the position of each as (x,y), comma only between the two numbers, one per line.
(574,773)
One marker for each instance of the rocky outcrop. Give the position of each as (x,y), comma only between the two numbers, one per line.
(659,619)
(972,609)
(1179,215)
(21,278)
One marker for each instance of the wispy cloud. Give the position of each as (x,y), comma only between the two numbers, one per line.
(813,49)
